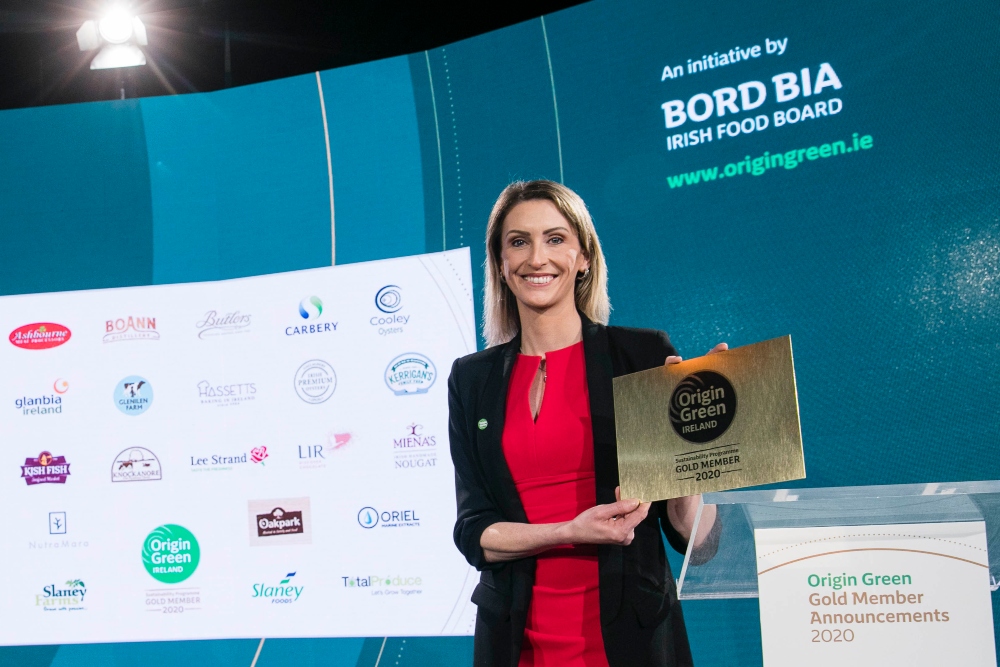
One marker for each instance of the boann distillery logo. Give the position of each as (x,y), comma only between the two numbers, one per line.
(410,373)
(133,395)
(702,406)
(39,336)
(171,554)
(315,381)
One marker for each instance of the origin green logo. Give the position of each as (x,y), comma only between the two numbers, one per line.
(170,553)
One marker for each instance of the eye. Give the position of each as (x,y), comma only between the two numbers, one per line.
(517,243)
(556,239)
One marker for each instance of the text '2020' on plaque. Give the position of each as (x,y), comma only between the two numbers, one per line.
(723,421)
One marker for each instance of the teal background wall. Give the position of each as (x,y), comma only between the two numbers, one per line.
(883,264)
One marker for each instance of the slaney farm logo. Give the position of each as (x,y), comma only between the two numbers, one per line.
(170,553)
(136,464)
(67,597)
(285,591)
(44,404)
(410,373)
(130,328)
(39,336)
(45,469)
(311,309)
(133,395)
(279,521)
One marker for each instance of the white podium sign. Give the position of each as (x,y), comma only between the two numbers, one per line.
(914,594)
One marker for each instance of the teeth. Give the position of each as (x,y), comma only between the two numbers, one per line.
(539,280)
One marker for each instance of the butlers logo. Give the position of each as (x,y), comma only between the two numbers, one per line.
(68,597)
(136,464)
(215,324)
(39,336)
(279,521)
(410,373)
(702,406)
(45,469)
(130,328)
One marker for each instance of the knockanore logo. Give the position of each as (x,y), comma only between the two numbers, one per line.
(136,464)
(702,406)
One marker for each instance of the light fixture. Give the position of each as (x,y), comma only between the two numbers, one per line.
(118,35)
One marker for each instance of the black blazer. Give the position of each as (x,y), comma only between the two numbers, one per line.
(641,618)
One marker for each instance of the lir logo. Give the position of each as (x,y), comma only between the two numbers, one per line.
(171,553)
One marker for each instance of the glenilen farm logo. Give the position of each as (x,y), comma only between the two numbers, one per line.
(171,554)
(410,373)
(39,336)
(702,407)
(133,395)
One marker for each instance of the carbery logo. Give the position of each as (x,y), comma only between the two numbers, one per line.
(171,553)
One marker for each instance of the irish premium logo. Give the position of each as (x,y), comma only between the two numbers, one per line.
(224,395)
(133,395)
(389,300)
(311,308)
(415,449)
(39,336)
(171,553)
(130,328)
(315,381)
(45,469)
(279,521)
(369,517)
(214,324)
(410,373)
(45,404)
(702,407)
(68,597)
(285,592)
(136,464)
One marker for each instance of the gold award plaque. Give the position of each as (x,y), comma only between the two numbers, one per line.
(722,421)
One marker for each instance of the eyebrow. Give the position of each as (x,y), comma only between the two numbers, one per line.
(562,228)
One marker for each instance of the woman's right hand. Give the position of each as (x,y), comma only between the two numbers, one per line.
(613,523)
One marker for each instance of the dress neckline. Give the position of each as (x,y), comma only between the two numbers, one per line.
(559,351)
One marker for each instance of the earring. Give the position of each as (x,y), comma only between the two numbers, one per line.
(586,272)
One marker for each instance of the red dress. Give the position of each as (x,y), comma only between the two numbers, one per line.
(552,462)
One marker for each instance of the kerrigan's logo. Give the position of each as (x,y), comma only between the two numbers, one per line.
(702,406)
(410,373)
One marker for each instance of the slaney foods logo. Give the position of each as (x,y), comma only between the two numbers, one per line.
(133,395)
(45,469)
(39,336)
(311,309)
(136,464)
(315,381)
(416,449)
(130,328)
(284,592)
(170,553)
(68,597)
(44,404)
(410,373)
(390,320)
(215,324)
(279,521)
(225,395)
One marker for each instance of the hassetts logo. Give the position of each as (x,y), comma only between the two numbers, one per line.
(170,553)
(39,336)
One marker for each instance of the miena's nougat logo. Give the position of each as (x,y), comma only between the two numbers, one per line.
(702,406)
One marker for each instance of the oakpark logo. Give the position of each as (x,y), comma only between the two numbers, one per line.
(410,373)
(285,592)
(39,336)
(171,554)
(311,308)
(133,395)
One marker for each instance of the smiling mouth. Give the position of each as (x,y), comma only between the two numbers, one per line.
(539,280)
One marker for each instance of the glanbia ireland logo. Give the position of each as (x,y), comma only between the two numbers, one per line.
(39,336)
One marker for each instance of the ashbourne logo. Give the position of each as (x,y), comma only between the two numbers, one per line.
(39,336)
(285,592)
(136,464)
(170,553)
(315,381)
(702,406)
(130,328)
(410,373)
(133,395)
(69,597)
(225,324)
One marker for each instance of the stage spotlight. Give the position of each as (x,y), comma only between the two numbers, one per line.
(118,35)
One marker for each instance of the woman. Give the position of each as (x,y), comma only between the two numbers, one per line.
(572,575)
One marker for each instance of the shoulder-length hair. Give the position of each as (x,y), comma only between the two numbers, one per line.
(501,321)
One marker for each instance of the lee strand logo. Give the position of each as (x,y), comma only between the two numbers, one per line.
(45,469)
(130,328)
(39,336)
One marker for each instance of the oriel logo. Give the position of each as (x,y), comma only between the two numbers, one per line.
(45,469)
(136,464)
(133,395)
(170,553)
(284,592)
(130,328)
(702,406)
(410,373)
(369,517)
(68,597)
(39,336)
(279,521)
(311,308)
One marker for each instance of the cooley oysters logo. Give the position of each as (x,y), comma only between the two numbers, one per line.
(390,320)
(410,373)
(702,406)
(279,521)
(136,464)
(39,336)
(130,328)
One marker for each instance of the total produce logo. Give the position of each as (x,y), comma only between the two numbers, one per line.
(171,553)
(39,336)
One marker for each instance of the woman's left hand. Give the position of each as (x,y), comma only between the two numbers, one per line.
(721,347)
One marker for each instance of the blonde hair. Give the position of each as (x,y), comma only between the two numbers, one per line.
(501,321)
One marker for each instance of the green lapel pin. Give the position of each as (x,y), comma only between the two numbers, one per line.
(483,424)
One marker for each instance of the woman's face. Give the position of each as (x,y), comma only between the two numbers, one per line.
(541,255)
